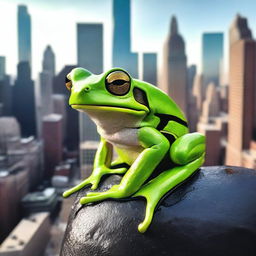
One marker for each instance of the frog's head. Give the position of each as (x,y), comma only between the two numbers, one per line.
(114,90)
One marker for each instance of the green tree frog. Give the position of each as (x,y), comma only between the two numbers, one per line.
(146,129)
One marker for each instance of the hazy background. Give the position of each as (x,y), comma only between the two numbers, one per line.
(54,23)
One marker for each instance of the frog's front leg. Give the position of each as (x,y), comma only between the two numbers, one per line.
(188,153)
(155,147)
(101,166)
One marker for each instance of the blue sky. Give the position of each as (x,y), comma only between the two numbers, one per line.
(54,23)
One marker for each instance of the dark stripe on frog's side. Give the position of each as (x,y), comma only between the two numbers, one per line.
(165,118)
(169,137)
(140,96)
(121,165)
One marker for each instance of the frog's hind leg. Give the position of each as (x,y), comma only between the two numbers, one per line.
(194,147)
(161,185)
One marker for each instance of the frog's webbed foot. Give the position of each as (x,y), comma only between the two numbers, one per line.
(151,202)
(94,179)
(154,190)
(115,192)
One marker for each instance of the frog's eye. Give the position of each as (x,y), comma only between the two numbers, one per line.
(68,84)
(118,83)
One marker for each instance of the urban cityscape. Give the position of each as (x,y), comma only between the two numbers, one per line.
(46,147)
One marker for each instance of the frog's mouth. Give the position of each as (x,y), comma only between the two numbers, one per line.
(88,108)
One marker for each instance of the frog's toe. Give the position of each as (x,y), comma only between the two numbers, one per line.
(94,194)
(94,197)
(95,184)
(66,193)
(81,185)
(143,226)
(86,200)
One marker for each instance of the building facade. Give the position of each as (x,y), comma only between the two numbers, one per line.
(150,68)
(241,94)
(24,34)
(122,56)
(212,56)
(174,77)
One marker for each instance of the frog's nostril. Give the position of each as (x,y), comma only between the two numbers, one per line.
(87,88)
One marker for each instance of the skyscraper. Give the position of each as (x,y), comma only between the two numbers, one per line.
(174,75)
(197,92)
(46,81)
(23,90)
(5,89)
(90,46)
(49,60)
(191,76)
(72,133)
(239,30)
(53,148)
(24,35)
(122,55)
(242,98)
(150,68)
(212,58)
(2,67)
(89,56)
(211,124)
(24,108)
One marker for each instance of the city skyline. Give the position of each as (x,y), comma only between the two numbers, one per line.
(46,145)
(143,22)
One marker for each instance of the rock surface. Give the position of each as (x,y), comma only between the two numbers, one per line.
(214,213)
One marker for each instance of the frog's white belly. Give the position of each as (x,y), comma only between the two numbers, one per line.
(125,137)
(125,143)
(120,130)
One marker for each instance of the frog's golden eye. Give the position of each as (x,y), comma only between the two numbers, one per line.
(68,84)
(118,83)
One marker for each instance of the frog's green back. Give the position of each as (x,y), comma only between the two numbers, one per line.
(159,101)
(161,105)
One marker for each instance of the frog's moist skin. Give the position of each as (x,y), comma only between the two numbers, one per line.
(145,127)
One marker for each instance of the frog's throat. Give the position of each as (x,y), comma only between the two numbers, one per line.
(109,108)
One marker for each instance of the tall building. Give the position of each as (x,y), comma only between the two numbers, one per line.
(6,95)
(23,103)
(5,90)
(150,68)
(59,107)
(242,78)
(2,67)
(90,46)
(212,125)
(89,56)
(72,133)
(192,111)
(211,105)
(191,76)
(239,30)
(46,81)
(49,60)
(24,34)
(198,92)
(53,138)
(212,56)
(122,56)
(174,75)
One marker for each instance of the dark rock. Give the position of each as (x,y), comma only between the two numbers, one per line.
(214,213)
